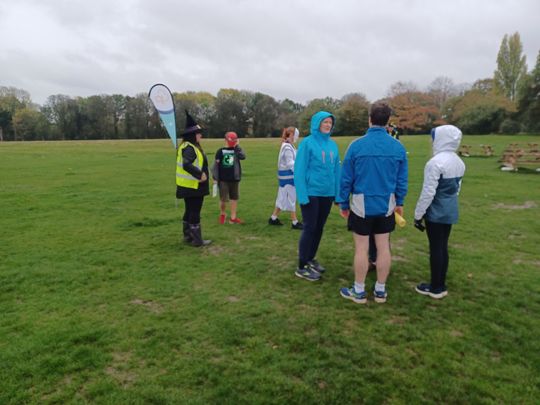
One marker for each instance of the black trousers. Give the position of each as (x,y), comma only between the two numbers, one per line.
(314,215)
(438,235)
(192,213)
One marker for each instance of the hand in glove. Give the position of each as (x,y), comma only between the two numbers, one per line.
(419,224)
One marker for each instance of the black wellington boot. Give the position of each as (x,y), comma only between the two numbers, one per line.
(187,233)
(197,236)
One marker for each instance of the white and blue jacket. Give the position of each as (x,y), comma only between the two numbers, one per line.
(438,201)
(287,156)
(317,164)
(374,172)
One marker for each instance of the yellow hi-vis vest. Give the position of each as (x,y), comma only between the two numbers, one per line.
(183,178)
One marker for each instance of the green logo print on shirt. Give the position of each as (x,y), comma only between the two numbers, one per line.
(228,159)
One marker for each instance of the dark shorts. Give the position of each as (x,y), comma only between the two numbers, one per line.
(371,225)
(228,190)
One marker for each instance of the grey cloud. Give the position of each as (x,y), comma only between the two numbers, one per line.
(295,49)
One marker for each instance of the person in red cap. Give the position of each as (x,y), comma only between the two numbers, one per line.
(227,172)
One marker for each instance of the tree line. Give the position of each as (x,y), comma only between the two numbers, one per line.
(508,102)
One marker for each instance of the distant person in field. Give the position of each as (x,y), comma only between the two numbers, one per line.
(286,198)
(316,177)
(227,171)
(438,204)
(374,178)
(192,181)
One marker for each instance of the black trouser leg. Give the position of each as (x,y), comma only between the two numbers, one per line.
(438,235)
(192,214)
(193,218)
(372,249)
(314,215)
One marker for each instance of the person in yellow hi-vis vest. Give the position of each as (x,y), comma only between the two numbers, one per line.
(192,180)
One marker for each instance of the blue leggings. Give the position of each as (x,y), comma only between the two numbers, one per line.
(314,215)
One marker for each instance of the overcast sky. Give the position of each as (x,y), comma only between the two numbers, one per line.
(297,49)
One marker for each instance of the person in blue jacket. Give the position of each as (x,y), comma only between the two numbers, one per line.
(316,177)
(438,204)
(374,178)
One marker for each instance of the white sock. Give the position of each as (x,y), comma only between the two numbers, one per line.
(359,287)
(295,222)
(379,287)
(273,217)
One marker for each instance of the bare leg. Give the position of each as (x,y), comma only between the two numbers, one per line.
(361,245)
(234,205)
(222,207)
(384,258)
(276,212)
(293,216)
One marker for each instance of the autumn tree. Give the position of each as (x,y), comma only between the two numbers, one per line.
(30,124)
(200,105)
(263,111)
(484,86)
(94,122)
(352,115)
(137,117)
(231,113)
(12,99)
(479,111)
(289,112)
(442,88)
(511,66)
(400,87)
(319,104)
(415,112)
(529,102)
(116,109)
(63,112)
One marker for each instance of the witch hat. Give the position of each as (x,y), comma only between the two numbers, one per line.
(191,126)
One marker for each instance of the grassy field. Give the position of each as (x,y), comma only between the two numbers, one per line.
(101,302)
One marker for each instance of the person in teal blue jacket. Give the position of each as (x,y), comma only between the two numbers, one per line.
(316,177)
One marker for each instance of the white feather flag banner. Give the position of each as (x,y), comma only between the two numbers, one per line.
(161,97)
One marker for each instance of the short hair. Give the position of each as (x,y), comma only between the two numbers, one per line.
(380,113)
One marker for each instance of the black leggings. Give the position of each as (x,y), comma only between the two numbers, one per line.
(314,215)
(438,235)
(192,214)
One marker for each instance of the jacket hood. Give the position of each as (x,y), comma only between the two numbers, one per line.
(446,138)
(316,123)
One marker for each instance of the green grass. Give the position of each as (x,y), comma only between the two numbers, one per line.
(101,303)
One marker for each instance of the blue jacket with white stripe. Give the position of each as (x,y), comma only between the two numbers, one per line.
(374,172)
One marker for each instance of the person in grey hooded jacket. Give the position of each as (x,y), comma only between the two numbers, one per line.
(438,204)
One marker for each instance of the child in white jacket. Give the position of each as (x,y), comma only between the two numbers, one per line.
(286,198)
(438,204)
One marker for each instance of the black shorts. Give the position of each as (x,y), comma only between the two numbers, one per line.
(228,190)
(371,225)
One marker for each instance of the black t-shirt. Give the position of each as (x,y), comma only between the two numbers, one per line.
(227,160)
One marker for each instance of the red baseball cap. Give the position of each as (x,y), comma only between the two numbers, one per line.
(231,138)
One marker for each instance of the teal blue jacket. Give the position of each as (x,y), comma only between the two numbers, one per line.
(317,164)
